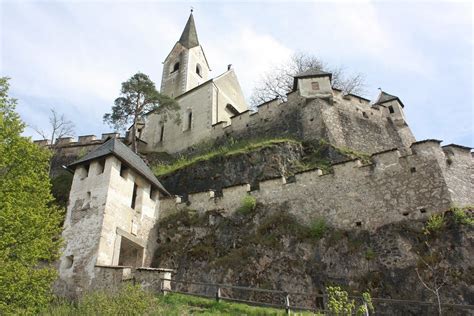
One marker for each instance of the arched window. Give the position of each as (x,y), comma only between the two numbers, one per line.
(199,70)
(175,67)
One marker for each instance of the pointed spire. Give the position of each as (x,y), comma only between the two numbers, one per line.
(189,38)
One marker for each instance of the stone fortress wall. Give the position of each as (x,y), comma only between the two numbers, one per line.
(426,179)
(344,120)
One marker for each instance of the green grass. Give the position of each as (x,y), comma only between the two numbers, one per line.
(226,150)
(248,205)
(318,228)
(131,300)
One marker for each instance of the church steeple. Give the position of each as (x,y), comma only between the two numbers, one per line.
(189,38)
(186,66)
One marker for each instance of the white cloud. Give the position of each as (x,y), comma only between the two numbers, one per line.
(249,52)
(358,30)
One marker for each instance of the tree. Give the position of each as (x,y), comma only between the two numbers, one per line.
(139,97)
(277,83)
(29,222)
(59,127)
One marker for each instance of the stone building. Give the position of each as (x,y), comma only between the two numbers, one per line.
(203,101)
(113,206)
(115,200)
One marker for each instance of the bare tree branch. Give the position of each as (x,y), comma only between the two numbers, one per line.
(59,126)
(277,83)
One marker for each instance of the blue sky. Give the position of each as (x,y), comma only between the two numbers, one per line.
(73,55)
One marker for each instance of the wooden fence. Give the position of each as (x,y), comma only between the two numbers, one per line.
(383,306)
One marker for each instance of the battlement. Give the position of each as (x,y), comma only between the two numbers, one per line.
(393,187)
(83,140)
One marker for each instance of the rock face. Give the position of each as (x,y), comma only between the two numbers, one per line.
(224,171)
(267,248)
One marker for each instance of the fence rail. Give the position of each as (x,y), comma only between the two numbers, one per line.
(285,296)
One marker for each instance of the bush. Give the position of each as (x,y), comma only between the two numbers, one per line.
(318,228)
(462,217)
(370,254)
(339,302)
(434,224)
(129,300)
(248,204)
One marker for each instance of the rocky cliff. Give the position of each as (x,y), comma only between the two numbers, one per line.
(267,248)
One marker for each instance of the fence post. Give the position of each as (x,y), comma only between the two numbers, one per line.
(287,304)
(218,294)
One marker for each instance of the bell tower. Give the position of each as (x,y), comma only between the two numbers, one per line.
(186,65)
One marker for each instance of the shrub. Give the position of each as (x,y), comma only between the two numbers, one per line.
(339,302)
(462,217)
(369,254)
(318,228)
(248,204)
(434,224)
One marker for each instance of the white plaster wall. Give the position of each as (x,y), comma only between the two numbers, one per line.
(306,90)
(228,92)
(178,137)
(196,56)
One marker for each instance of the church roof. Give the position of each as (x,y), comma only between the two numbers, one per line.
(385,97)
(189,38)
(312,72)
(115,147)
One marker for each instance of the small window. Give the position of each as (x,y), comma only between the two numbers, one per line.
(364,114)
(175,67)
(199,70)
(134,196)
(413,169)
(391,110)
(123,170)
(315,85)
(190,120)
(87,167)
(101,166)
(162,132)
(153,194)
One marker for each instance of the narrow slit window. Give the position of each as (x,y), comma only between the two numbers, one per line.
(162,132)
(198,70)
(101,166)
(134,195)
(190,120)
(391,110)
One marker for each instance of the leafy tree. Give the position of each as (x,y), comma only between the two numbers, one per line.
(29,223)
(278,82)
(138,97)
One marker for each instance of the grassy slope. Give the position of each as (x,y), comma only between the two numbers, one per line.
(227,150)
(132,301)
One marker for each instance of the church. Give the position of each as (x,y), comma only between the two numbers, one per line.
(204,100)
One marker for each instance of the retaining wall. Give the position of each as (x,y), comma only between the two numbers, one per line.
(428,179)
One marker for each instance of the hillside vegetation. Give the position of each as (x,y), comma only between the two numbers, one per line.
(132,300)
